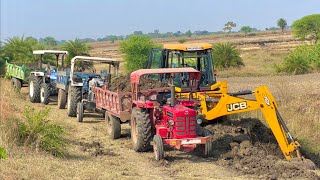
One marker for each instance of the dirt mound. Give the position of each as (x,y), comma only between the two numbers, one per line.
(123,83)
(95,149)
(250,147)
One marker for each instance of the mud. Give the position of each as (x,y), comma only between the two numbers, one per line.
(248,146)
(122,83)
(95,148)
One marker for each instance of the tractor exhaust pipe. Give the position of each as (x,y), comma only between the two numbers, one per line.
(173,96)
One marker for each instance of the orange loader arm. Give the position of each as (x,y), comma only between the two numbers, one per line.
(229,103)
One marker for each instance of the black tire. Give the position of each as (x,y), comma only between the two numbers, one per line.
(141,130)
(74,96)
(158,147)
(80,112)
(206,133)
(34,88)
(113,126)
(62,99)
(16,84)
(207,148)
(45,93)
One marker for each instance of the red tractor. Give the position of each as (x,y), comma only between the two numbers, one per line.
(159,119)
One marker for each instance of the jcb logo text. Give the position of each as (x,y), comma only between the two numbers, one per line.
(236,106)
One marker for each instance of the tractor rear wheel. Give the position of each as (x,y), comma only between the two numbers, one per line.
(80,112)
(45,93)
(207,148)
(62,99)
(34,88)
(141,130)
(113,126)
(158,147)
(74,96)
(16,84)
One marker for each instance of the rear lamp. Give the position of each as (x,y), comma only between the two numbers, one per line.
(171,122)
(199,121)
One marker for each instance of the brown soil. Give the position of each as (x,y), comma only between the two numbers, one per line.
(122,83)
(95,149)
(249,147)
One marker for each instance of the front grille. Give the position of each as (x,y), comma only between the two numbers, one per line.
(185,126)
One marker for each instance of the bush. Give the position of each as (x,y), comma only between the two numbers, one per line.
(226,55)
(303,59)
(3,153)
(38,133)
(136,50)
(181,41)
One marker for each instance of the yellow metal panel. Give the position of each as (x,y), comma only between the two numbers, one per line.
(188,47)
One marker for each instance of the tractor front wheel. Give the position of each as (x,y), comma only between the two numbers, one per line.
(45,93)
(158,147)
(113,126)
(141,130)
(62,99)
(74,96)
(34,88)
(80,112)
(207,148)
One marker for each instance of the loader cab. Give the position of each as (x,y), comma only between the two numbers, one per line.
(196,55)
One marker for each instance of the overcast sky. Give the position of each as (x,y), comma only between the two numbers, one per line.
(69,19)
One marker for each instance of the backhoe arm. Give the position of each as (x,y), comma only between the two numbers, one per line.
(230,104)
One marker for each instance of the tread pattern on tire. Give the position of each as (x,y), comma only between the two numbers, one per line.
(47,91)
(158,142)
(144,129)
(74,96)
(62,99)
(36,90)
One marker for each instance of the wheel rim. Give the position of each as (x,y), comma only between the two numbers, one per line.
(68,101)
(42,94)
(31,89)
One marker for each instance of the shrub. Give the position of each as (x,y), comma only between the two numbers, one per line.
(38,133)
(136,50)
(181,41)
(226,55)
(3,153)
(301,60)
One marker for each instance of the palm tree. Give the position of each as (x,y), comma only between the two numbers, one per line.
(19,49)
(282,23)
(75,48)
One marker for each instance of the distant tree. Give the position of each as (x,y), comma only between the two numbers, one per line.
(136,50)
(282,23)
(75,48)
(49,41)
(307,27)
(228,26)
(138,33)
(246,29)
(188,33)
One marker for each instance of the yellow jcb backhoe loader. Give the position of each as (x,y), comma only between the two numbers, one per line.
(213,98)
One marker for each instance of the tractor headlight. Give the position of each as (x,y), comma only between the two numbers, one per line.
(171,122)
(199,121)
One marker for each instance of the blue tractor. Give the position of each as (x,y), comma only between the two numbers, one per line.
(42,82)
(76,84)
